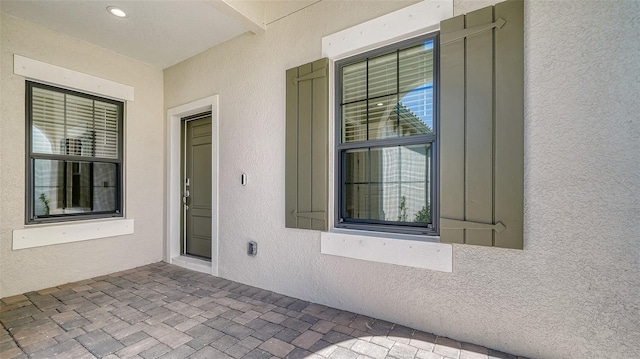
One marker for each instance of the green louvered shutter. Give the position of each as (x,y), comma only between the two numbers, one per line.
(307,147)
(481,127)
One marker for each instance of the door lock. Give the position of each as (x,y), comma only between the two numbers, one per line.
(185,198)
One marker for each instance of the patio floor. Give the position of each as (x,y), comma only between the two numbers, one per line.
(164,311)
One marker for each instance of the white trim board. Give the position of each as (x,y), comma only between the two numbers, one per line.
(59,76)
(402,24)
(417,254)
(174,185)
(45,235)
(421,18)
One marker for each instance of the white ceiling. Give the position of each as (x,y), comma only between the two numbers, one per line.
(158,32)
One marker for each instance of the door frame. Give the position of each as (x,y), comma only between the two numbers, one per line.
(173,194)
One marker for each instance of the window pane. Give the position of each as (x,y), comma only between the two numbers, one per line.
(105,187)
(415,190)
(389,184)
(47,111)
(384,165)
(354,82)
(383,117)
(79,123)
(356,201)
(71,187)
(357,166)
(356,177)
(416,66)
(416,112)
(48,191)
(354,122)
(79,111)
(383,75)
(416,89)
(106,130)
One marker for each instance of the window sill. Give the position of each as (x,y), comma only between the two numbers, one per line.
(405,250)
(39,235)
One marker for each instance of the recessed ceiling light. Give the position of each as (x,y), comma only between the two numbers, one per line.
(380,104)
(116,11)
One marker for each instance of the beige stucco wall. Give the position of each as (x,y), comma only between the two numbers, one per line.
(573,292)
(37,268)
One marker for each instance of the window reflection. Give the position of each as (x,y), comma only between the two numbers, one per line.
(389,184)
(68,187)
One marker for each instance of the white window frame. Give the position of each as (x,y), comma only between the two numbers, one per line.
(38,235)
(413,251)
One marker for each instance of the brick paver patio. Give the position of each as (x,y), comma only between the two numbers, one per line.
(164,311)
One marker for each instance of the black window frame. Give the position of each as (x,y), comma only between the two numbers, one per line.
(30,197)
(411,228)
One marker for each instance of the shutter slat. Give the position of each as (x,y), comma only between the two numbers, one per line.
(479,129)
(452,129)
(305,117)
(320,146)
(291,153)
(509,161)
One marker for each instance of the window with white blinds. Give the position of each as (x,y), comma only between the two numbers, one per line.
(75,155)
(67,124)
(387,138)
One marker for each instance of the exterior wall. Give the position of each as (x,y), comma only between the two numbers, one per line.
(573,290)
(37,268)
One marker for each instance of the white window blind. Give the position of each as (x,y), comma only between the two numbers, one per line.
(64,124)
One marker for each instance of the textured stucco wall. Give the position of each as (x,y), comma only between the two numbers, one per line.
(37,268)
(574,292)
